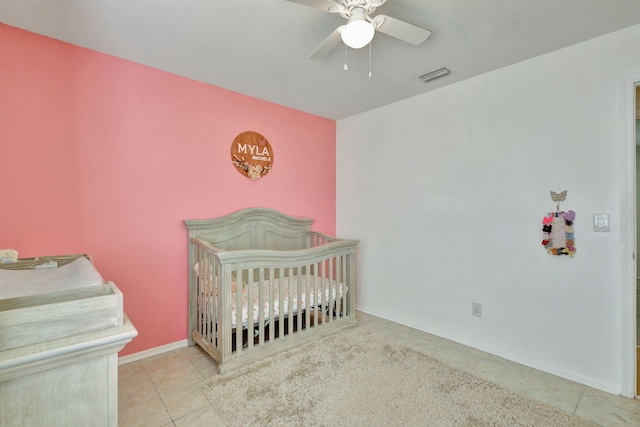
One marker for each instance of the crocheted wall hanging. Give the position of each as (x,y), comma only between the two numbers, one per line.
(557,229)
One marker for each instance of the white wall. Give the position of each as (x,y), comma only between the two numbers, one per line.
(447,190)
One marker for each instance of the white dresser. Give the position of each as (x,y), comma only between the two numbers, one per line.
(59,357)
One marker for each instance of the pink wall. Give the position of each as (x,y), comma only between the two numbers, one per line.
(104,156)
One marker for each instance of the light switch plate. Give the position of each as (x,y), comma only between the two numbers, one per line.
(601,222)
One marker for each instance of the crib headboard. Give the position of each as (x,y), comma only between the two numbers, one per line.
(254,228)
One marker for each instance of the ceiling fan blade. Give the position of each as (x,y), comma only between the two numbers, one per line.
(328,45)
(401,30)
(316,4)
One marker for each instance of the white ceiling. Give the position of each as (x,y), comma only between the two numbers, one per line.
(261,47)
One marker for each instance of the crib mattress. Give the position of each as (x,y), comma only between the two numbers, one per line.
(320,292)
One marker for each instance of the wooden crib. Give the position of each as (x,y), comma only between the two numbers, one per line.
(261,282)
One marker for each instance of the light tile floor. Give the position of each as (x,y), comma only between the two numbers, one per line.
(165,390)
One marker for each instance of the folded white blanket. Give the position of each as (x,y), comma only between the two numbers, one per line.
(77,274)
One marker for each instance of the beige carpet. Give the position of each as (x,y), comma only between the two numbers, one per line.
(355,379)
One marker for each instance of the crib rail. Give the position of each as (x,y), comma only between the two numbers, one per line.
(246,304)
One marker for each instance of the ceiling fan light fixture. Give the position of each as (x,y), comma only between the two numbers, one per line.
(358,32)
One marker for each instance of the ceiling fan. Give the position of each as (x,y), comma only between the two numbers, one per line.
(361,26)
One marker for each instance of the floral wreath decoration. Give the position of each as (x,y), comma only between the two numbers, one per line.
(557,233)
(253,171)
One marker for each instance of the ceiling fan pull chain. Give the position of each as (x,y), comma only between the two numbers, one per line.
(369,59)
(346,67)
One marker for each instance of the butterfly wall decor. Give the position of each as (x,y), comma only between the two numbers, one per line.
(558,197)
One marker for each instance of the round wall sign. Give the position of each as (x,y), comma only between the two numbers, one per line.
(252,155)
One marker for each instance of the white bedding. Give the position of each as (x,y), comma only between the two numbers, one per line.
(20,283)
(317,288)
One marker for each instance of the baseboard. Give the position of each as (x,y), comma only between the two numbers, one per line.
(151,352)
(571,376)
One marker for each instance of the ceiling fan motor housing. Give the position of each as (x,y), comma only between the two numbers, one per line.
(347,7)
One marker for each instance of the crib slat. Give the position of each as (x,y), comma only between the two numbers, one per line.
(261,297)
(350,276)
(316,301)
(210,300)
(215,298)
(272,323)
(205,314)
(224,320)
(201,297)
(250,305)
(307,295)
(320,285)
(299,298)
(339,286)
(198,285)
(330,290)
(347,287)
(239,309)
(289,302)
(281,303)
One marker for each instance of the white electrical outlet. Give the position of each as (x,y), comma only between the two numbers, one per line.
(476,309)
